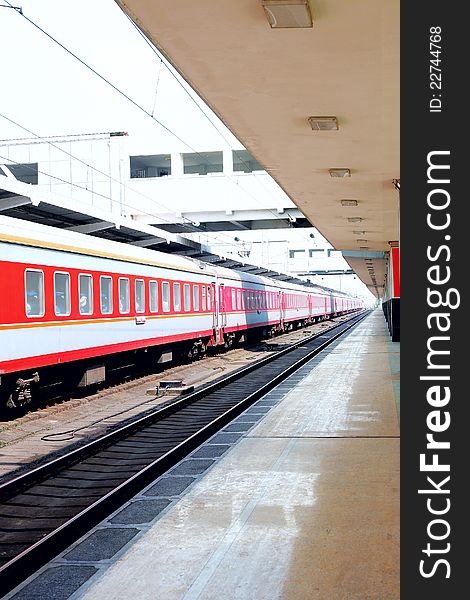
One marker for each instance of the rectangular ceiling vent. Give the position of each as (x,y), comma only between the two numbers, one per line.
(288,13)
(340,173)
(323,123)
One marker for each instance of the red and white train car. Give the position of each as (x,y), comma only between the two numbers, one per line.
(71,301)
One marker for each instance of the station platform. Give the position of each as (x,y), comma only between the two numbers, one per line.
(297,499)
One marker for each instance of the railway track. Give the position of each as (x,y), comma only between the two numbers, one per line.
(43,511)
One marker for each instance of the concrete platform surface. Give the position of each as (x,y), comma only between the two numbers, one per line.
(304,506)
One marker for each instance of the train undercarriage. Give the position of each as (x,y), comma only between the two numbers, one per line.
(32,389)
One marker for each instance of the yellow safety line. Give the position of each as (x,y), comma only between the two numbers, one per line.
(111,320)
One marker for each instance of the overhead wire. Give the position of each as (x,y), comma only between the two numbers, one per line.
(102,77)
(48,137)
(156,87)
(136,104)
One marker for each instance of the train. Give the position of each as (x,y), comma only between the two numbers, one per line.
(74,307)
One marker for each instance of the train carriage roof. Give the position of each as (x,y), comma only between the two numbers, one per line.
(27,233)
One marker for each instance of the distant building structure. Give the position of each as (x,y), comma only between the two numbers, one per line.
(210,190)
(221,199)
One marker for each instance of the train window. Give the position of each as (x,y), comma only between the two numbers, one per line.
(139,296)
(243,299)
(166,296)
(124,295)
(85,294)
(204,297)
(239,300)
(153,287)
(62,293)
(209,298)
(177,296)
(187,297)
(234,300)
(34,296)
(196,297)
(106,295)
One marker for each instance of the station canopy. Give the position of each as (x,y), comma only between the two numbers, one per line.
(269,69)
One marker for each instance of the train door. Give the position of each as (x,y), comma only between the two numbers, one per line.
(282,307)
(222,306)
(310,305)
(211,296)
(218,312)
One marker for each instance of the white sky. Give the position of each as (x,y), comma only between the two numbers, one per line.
(46,90)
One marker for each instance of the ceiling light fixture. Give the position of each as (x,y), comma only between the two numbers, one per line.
(349,202)
(361,240)
(288,13)
(363,247)
(323,123)
(359,232)
(340,172)
(355,219)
